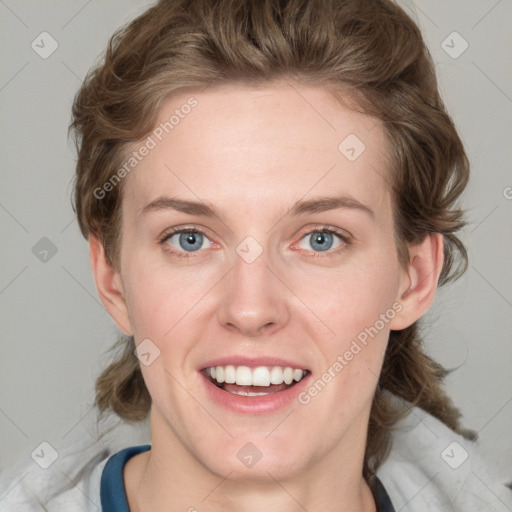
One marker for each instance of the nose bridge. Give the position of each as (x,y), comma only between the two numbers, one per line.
(253,298)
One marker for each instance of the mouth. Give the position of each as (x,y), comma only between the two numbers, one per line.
(254,382)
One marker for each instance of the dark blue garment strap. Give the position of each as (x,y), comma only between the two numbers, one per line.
(112,491)
(382,499)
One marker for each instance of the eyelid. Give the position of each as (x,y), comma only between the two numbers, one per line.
(182,229)
(323,228)
(345,237)
(164,237)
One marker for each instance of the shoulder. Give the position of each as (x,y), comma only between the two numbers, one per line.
(431,468)
(71,483)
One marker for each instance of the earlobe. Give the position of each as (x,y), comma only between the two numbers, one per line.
(420,279)
(109,285)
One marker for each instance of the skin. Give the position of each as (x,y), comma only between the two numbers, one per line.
(252,152)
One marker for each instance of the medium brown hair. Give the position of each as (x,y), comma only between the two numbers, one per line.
(369,51)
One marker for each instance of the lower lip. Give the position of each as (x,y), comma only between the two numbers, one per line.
(254,404)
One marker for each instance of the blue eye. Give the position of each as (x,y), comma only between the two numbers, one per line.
(188,240)
(322,240)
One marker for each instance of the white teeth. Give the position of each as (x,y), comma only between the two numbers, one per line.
(276,375)
(243,376)
(297,375)
(229,374)
(259,376)
(248,393)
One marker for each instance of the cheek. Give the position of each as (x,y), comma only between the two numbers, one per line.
(357,303)
(160,297)
(352,298)
(360,308)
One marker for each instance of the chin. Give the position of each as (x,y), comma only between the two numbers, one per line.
(259,460)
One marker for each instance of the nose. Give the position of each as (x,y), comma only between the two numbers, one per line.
(254,299)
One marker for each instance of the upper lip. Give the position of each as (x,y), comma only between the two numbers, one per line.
(253,362)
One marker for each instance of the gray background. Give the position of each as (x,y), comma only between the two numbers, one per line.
(55,332)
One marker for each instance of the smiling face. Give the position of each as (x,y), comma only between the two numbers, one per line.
(270,276)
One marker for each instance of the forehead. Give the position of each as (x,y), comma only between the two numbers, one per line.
(260,147)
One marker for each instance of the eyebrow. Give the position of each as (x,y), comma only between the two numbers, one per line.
(323,204)
(317,205)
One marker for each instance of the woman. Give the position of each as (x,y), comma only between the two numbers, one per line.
(269,190)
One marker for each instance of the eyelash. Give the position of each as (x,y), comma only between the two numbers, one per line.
(168,235)
(317,229)
(345,239)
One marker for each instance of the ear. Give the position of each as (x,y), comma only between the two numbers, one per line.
(419,281)
(109,285)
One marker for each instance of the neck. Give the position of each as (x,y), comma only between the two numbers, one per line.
(169,477)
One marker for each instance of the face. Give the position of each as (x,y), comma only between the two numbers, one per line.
(264,275)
